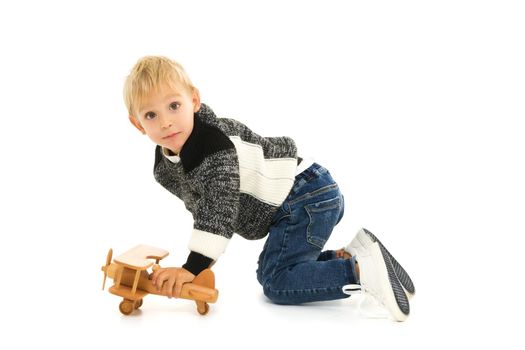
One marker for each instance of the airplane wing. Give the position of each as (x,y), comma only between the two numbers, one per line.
(141,257)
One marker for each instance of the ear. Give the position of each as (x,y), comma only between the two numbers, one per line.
(196,99)
(136,123)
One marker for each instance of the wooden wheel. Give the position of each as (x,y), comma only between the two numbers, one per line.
(203,308)
(138,304)
(126,306)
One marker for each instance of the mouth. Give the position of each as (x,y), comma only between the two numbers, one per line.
(171,135)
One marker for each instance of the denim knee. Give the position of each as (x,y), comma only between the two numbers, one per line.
(278,297)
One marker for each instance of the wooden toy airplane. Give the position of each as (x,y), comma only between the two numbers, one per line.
(132,280)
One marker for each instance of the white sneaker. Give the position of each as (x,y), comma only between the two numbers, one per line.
(377,276)
(400,272)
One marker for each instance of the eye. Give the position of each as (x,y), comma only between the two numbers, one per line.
(174,105)
(148,115)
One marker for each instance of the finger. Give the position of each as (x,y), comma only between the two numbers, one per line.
(155,275)
(163,276)
(178,288)
(169,286)
(165,290)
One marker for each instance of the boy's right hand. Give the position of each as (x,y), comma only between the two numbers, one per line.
(169,280)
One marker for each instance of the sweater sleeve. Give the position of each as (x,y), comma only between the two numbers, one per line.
(217,181)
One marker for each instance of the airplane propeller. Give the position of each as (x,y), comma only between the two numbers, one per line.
(105,268)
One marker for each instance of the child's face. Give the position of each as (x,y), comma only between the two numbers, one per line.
(165,113)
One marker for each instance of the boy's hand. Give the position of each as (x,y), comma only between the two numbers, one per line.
(169,280)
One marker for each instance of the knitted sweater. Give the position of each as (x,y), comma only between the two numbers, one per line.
(231,180)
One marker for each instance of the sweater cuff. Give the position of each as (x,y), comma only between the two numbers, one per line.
(197,262)
(207,243)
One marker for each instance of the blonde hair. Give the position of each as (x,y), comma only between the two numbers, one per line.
(150,74)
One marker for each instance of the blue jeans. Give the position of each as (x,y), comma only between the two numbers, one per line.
(293,268)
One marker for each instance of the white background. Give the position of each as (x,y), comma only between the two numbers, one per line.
(415,107)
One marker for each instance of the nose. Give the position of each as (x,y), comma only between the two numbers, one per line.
(165,122)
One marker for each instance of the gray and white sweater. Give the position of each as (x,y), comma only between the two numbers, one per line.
(231,180)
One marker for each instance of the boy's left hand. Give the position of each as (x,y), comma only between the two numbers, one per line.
(169,280)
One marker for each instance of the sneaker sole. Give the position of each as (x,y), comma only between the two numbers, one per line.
(400,272)
(396,301)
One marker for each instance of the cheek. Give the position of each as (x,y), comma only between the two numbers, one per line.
(151,130)
(153,135)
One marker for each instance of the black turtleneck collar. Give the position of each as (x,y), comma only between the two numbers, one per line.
(205,139)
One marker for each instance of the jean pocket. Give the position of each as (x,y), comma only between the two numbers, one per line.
(279,214)
(323,216)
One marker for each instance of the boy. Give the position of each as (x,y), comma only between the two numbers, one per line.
(234,181)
